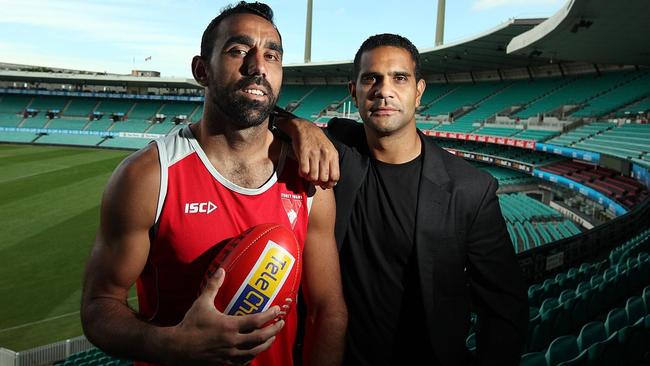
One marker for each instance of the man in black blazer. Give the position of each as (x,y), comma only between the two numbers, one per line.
(421,237)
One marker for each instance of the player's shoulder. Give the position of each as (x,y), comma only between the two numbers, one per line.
(140,169)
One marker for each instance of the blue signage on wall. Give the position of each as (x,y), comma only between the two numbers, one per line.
(177,98)
(590,156)
(613,206)
(642,174)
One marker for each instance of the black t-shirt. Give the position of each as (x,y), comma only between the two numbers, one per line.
(379,272)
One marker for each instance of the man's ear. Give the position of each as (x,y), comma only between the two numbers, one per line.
(420,91)
(352,88)
(200,70)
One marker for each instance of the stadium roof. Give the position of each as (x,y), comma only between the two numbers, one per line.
(97,79)
(591,31)
(486,51)
(597,31)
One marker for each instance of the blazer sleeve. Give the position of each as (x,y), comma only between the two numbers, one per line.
(496,284)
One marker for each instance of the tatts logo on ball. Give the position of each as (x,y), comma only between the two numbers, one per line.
(263,282)
(262,265)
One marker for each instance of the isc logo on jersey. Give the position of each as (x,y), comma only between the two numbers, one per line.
(200,207)
(263,281)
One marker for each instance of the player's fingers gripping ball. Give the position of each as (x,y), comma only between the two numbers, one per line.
(263,266)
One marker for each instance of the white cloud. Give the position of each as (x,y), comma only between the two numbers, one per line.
(491,4)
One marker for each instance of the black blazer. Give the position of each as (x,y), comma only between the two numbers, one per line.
(465,259)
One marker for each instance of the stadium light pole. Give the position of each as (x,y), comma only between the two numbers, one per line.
(440,23)
(308,32)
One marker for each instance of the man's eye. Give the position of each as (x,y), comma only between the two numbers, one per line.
(400,78)
(368,79)
(237,52)
(272,57)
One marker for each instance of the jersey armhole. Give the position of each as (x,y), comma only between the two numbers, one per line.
(162,156)
(311,192)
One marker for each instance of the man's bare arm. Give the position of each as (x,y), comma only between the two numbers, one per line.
(118,257)
(317,157)
(326,311)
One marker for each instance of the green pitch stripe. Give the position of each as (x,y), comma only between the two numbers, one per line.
(49,223)
(13,172)
(32,184)
(29,155)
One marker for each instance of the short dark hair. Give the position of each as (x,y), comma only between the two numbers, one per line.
(243,7)
(387,39)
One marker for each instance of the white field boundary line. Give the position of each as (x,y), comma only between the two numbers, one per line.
(25,325)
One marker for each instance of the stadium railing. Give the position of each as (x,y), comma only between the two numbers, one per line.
(44,355)
(547,260)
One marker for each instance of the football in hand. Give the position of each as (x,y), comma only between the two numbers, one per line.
(262,265)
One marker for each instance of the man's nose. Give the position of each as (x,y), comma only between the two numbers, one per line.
(384,90)
(255,63)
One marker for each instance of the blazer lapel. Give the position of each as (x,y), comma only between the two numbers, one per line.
(430,224)
(350,139)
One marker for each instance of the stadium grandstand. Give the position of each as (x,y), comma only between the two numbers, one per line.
(556,109)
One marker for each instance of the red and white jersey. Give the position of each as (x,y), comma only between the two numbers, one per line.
(198,211)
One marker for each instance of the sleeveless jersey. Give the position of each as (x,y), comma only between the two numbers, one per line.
(198,211)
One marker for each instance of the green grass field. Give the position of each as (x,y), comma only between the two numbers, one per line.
(49,207)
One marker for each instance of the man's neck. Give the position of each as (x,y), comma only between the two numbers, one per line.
(396,148)
(246,157)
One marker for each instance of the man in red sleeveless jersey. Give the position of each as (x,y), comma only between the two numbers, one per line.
(167,206)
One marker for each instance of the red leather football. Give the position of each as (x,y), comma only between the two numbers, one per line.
(263,266)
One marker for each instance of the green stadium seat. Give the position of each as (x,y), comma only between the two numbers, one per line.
(646,298)
(606,352)
(580,310)
(551,288)
(616,320)
(566,295)
(533,359)
(596,280)
(540,330)
(564,321)
(635,309)
(542,333)
(632,340)
(17,136)
(591,333)
(562,349)
(583,287)
(535,292)
(580,360)
(470,342)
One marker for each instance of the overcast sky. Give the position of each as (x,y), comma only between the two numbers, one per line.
(117,36)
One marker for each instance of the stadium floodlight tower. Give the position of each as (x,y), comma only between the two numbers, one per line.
(308,32)
(440,23)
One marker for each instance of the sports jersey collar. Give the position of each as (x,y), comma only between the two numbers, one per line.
(187,131)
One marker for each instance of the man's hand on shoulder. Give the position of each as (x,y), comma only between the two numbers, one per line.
(317,157)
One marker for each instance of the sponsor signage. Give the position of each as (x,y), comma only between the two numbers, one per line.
(611,205)
(180,98)
(590,156)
